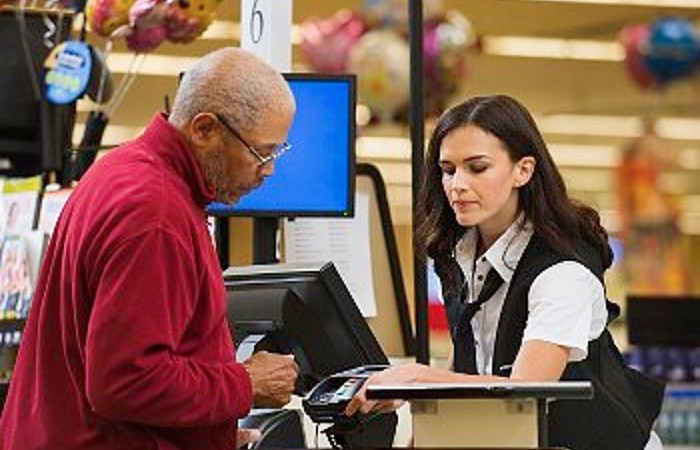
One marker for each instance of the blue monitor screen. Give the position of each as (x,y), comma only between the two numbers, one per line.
(316,177)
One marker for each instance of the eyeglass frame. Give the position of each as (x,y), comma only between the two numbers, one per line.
(280,149)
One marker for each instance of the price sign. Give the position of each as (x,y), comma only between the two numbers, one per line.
(266,30)
(69,66)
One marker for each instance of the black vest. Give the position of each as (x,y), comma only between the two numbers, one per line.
(625,404)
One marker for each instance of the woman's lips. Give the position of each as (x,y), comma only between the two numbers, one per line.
(462,204)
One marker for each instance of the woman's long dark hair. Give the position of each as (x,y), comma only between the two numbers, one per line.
(559,220)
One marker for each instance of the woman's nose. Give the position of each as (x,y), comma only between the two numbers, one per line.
(460,181)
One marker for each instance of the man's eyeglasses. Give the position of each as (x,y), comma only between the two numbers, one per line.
(279,149)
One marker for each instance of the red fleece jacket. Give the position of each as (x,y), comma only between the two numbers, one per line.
(127,344)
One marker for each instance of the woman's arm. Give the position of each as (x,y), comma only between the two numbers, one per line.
(540,361)
(536,361)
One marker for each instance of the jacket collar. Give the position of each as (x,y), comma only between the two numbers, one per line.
(169,144)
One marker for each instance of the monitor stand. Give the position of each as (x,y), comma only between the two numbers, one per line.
(265,240)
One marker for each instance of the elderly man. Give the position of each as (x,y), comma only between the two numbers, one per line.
(127,344)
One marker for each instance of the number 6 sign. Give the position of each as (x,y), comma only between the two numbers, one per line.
(266,30)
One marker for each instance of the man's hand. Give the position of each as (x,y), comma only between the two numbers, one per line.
(247,436)
(273,377)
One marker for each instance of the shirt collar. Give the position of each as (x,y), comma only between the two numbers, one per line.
(168,143)
(503,255)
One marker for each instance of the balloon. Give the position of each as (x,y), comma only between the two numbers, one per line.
(394,13)
(382,60)
(633,39)
(105,16)
(445,45)
(326,44)
(153,21)
(147,25)
(186,20)
(672,49)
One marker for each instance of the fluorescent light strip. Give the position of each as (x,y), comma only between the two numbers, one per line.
(598,156)
(535,47)
(678,128)
(656,4)
(387,148)
(591,125)
(689,159)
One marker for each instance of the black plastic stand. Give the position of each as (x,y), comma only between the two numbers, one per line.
(265,240)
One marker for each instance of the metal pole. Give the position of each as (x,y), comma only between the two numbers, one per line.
(415,19)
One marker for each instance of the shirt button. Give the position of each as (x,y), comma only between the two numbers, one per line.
(483,259)
(480,277)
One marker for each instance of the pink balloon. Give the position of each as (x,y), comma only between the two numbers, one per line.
(147,25)
(144,40)
(633,38)
(326,44)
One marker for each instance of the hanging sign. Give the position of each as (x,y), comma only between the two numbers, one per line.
(266,30)
(68,72)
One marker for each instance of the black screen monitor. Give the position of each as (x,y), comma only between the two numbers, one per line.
(663,320)
(305,309)
(34,134)
(316,177)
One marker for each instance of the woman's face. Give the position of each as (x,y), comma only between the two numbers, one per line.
(480,180)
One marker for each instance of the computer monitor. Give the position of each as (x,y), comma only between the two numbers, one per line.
(304,309)
(316,177)
(34,134)
(663,320)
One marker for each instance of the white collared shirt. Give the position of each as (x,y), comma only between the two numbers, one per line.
(566,302)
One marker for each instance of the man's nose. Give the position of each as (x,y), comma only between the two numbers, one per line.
(268,168)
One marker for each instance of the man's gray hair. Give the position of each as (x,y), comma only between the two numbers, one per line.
(235,84)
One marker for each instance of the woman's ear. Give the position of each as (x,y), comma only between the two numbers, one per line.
(524,170)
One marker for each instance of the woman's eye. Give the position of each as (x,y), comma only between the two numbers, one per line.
(478,168)
(447,170)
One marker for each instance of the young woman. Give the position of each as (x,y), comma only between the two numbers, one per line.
(521,267)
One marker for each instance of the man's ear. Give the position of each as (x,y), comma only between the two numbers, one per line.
(203,129)
(524,170)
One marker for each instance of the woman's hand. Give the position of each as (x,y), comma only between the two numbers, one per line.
(405,374)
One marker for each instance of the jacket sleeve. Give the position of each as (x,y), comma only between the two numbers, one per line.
(147,291)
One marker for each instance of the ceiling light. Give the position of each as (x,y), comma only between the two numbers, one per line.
(571,155)
(678,128)
(689,159)
(535,47)
(591,125)
(379,147)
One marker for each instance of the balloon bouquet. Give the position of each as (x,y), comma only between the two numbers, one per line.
(660,53)
(373,43)
(144,25)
